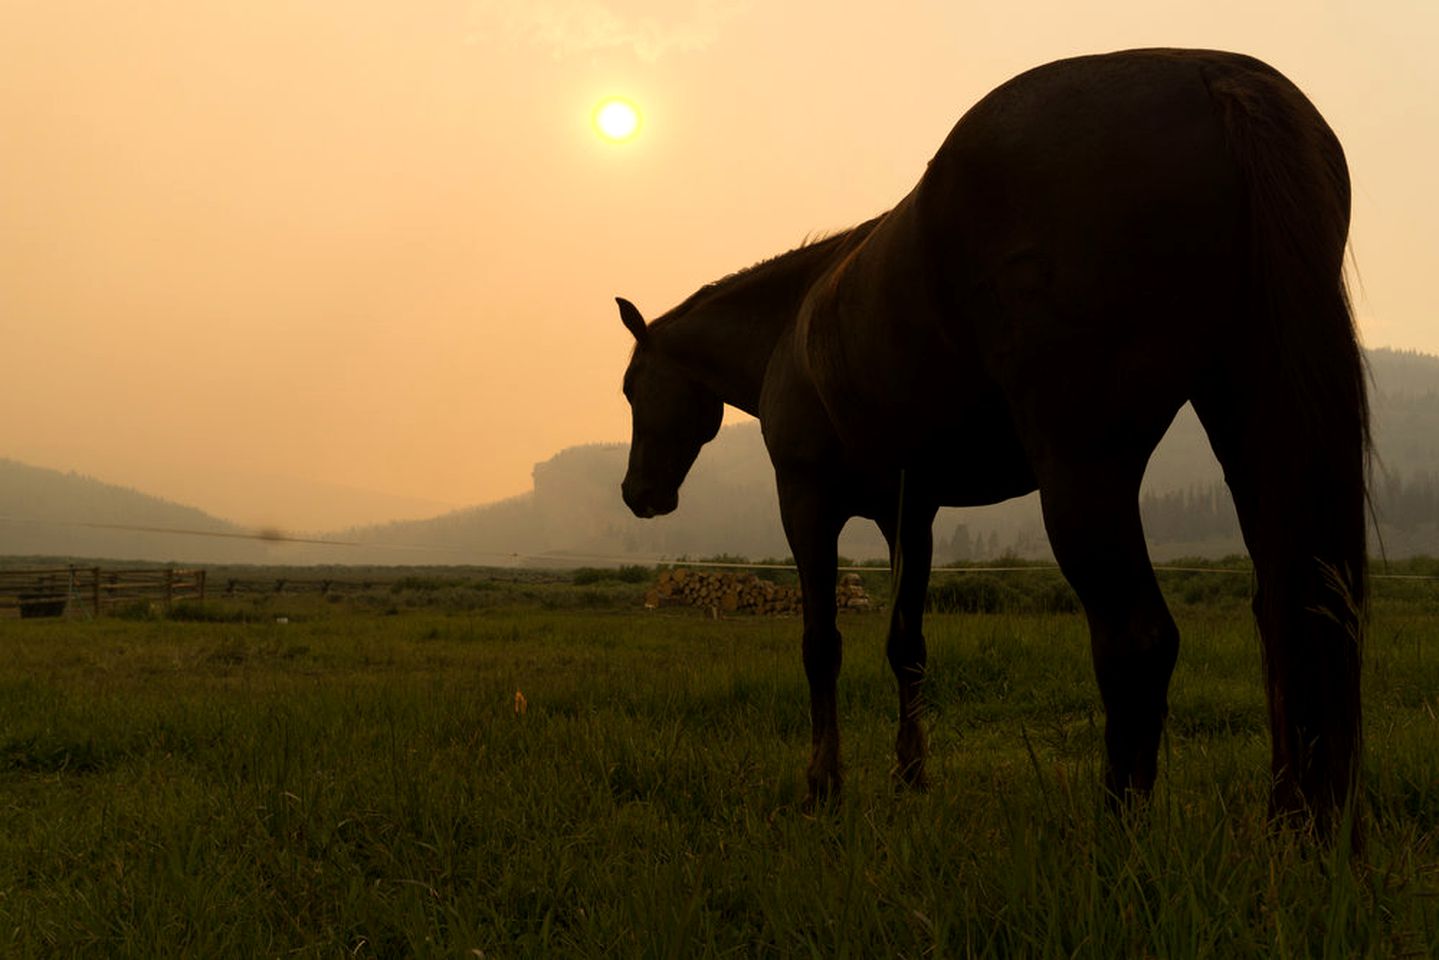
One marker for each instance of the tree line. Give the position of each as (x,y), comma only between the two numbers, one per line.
(1205,512)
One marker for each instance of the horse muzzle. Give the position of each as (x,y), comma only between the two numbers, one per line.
(648,503)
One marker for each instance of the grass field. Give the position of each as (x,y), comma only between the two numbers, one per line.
(356,781)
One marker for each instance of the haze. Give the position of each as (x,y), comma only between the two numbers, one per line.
(308,263)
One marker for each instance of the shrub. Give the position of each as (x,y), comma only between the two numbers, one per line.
(1056,597)
(194,611)
(633,574)
(585,576)
(973,593)
(137,610)
(422,584)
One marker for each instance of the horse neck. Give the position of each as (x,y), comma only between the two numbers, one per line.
(724,335)
(725,343)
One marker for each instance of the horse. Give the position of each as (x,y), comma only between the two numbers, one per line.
(1098,241)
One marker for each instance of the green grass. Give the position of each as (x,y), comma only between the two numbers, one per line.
(356,781)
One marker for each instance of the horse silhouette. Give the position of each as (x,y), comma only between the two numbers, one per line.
(1097,241)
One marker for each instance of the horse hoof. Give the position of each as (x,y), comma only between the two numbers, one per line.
(910,778)
(813,806)
(1127,797)
(822,795)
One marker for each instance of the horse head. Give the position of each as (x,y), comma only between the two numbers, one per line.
(671,417)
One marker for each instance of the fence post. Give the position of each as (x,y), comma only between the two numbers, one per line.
(95,589)
(169,588)
(200,582)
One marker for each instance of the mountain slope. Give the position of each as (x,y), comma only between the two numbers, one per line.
(49,513)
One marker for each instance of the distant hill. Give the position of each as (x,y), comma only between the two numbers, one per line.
(574,509)
(728,505)
(50,513)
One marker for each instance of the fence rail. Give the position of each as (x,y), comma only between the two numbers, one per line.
(235,586)
(50,592)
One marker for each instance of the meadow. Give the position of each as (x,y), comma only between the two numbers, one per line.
(354,776)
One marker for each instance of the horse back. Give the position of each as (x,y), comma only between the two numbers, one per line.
(1084,223)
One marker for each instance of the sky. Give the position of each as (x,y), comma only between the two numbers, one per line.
(312,263)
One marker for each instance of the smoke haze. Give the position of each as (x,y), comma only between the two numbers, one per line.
(251,253)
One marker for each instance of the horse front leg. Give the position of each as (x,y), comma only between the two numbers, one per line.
(911,544)
(812,524)
(1091,512)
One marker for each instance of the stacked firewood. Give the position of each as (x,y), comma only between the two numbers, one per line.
(726,592)
(850,594)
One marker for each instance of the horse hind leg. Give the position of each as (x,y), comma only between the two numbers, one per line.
(1091,512)
(911,550)
(1302,515)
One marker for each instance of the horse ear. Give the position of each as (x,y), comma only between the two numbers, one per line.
(633,320)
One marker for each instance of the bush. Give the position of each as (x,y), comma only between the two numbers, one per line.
(421,584)
(194,611)
(983,593)
(1057,597)
(585,576)
(633,574)
(973,593)
(137,610)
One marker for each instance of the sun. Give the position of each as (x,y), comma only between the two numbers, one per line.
(616,119)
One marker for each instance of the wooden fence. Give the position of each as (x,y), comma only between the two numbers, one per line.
(236,587)
(50,592)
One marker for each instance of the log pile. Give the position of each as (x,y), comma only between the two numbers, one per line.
(726,592)
(850,593)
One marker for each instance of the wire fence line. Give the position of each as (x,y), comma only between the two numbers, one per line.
(560,559)
(268,536)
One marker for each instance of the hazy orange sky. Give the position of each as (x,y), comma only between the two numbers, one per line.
(309,262)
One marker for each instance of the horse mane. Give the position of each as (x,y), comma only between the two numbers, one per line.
(836,242)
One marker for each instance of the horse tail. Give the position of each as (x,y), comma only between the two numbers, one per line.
(1296,447)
